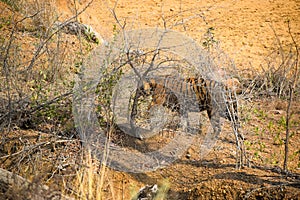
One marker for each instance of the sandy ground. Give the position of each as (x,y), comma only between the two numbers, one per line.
(245,29)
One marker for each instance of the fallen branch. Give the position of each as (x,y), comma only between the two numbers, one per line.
(32,147)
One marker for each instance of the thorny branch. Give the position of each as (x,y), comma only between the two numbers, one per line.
(32,147)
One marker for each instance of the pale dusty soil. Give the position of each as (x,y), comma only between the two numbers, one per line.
(245,32)
(244,28)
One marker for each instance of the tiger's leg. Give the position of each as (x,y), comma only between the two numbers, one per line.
(242,158)
(214,118)
(239,147)
(239,138)
(215,122)
(184,118)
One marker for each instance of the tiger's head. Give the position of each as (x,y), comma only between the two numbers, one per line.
(234,85)
(160,92)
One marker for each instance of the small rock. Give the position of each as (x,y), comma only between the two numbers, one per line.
(147,193)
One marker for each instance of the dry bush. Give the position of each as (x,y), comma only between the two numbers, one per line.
(277,71)
(279,79)
(37,66)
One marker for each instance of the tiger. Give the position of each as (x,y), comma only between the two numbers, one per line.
(198,94)
(193,94)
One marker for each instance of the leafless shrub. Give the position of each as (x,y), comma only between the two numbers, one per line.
(279,78)
(37,63)
(278,70)
(36,68)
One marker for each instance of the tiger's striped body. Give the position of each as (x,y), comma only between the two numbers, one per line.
(197,94)
(193,94)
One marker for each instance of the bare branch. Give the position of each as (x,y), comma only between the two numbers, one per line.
(292,87)
(44,42)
